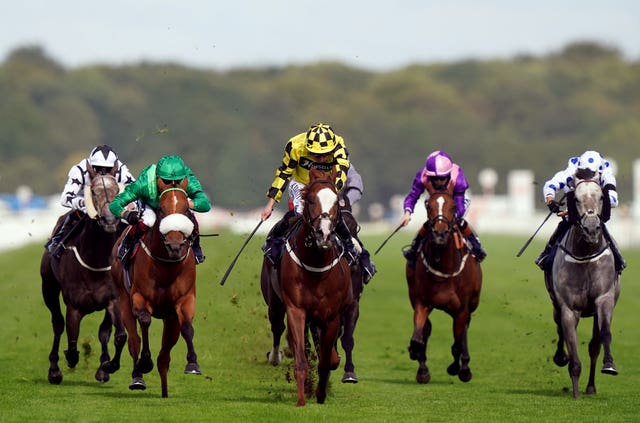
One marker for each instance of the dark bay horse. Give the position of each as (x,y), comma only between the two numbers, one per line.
(312,286)
(161,284)
(82,276)
(584,283)
(446,277)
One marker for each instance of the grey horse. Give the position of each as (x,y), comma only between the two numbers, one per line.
(583,283)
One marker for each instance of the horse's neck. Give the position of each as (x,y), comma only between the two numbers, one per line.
(574,243)
(437,255)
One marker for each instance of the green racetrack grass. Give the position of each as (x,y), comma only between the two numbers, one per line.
(511,339)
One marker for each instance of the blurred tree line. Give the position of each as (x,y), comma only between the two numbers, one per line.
(231,127)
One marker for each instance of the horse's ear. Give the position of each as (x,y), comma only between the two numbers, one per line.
(90,170)
(315,174)
(114,169)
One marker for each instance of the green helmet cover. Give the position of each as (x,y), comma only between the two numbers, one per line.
(171,168)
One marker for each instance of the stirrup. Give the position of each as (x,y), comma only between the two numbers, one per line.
(199,258)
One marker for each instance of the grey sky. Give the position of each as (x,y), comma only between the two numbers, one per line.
(366,34)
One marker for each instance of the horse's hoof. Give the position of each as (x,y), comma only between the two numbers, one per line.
(192,369)
(277,358)
(423,376)
(609,369)
(453,369)
(137,384)
(590,390)
(349,377)
(55,377)
(110,367)
(145,365)
(72,358)
(465,375)
(561,360)
(102,376)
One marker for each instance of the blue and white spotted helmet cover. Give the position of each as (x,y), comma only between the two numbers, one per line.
(591,160)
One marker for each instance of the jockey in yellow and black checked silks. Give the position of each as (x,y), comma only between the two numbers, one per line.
(299,158)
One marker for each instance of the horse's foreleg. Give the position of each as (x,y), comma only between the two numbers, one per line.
(560,357)
(295,336)
(143,316)
(73,331)
(349,319)
(119,338)
(186,311)
(276,318)
(130,324)
(104,334)
(328,337)
(594,351)
(604,315)
(460,347)
(418,345)
(170,335)
(569,326)
(51,296)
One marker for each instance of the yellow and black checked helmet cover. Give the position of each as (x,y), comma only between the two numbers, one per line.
(321,139)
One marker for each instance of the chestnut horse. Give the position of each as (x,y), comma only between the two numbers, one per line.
(312,285)
(446,277)
(161,283)
(583,283)
(82,276)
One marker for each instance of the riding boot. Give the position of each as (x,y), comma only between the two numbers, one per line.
(542,259)
(54,245)
(197,250)
(131,237)
(620,263)
(411,252)
(272,246)
(351,248)
(368,266)
(470,235)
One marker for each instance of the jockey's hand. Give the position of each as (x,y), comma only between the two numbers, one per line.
(131,217)
(554,206)
(406,218)
(268,209)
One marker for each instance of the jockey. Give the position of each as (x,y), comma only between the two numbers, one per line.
(168,168)
(320,148)
(590,165)
(103,160)
(440,173)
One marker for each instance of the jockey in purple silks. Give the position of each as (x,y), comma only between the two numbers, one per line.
(440,173)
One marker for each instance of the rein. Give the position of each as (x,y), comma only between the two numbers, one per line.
(173,189)
(84,264)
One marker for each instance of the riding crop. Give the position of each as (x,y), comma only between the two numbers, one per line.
(233,263)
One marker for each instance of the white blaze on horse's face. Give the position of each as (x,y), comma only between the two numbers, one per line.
(440,202)
(328,199)
(176,222)
(589,204)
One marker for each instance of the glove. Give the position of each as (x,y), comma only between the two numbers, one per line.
(554,206)
(131,217)
(78,203)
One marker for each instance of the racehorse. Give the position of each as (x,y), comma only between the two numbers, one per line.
(161,283)
(82,276)
(446,277)
(312,285)
(583,283)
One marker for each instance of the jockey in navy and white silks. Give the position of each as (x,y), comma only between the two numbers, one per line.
(102,159)
(589,165)
(591,161)
(440,173)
